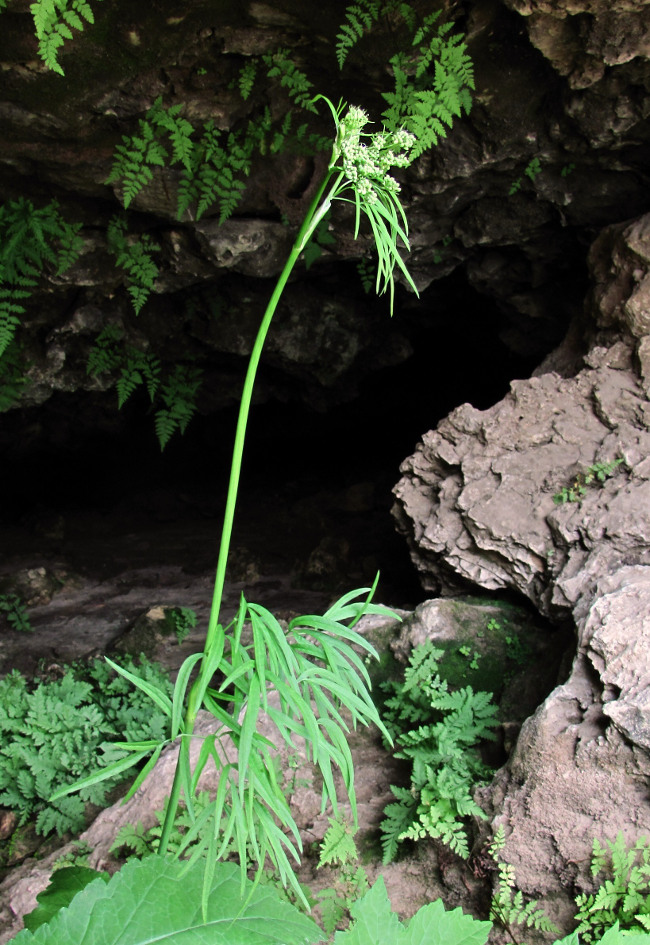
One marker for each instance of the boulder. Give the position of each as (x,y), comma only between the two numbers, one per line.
(548,494)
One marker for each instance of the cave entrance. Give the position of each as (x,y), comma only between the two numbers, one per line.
(315,495)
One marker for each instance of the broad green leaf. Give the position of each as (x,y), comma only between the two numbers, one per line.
(155,901)
(618,936)
(433,925)
(64,885)
(375,924)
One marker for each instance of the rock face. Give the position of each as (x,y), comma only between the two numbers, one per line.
(551,151)
(504,499)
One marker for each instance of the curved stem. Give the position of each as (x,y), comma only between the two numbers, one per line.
(317,210)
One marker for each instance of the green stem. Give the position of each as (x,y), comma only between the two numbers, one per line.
(316,212)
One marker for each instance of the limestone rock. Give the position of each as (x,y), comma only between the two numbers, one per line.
(503,499)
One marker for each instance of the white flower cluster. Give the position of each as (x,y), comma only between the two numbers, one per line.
(366,165)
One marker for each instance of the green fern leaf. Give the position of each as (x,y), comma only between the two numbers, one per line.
(52,22)
(338,844)
(247,76)
(359,17)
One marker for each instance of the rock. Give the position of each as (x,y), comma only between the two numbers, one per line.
(512,498)
(476,500)
(573,97)
(489,645)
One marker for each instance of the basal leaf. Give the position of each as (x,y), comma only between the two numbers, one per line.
(159,900)
(433,925)
(375,924)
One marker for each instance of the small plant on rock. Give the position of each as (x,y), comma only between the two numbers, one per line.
(338,849)
(508,908)
(439,732)
(596,474)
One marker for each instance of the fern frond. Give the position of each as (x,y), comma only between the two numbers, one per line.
(134,257)
(53,20)
(247,76)
(338,844)
(281,66)
(179,394)
(104,355)
(12,378)
(398,817)
(134,159)
(426,104)
(179,129)
(359,17)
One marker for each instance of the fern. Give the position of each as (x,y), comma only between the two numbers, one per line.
(141,368)
(12,375)
(508,907)
(338,849)
(247,77)
(397,820)
(359,18)
(141,842)
(53,22)
(623,897)
(179,130)
(52,734)
(338,844)
(426,104)
(215,173)
(181,620)
(367,270)
(136,367)
(134,256)
(177,390)
(281,66)
(179,396)
(30,240)
(134,159)
(16,614)
(438,732)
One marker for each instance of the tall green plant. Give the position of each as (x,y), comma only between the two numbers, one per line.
(313,667)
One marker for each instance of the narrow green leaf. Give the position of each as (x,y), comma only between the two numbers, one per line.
(161,699)
(248,730)
(180,688)
(101,775)
(150,765)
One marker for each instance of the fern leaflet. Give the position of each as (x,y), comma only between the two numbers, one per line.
(359,17)
(53,22)
(247,76)
(134,256)
(179,394)
(280,65)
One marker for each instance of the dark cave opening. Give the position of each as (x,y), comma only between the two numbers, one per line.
(316,484)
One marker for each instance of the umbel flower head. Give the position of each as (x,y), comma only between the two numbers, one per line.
(362,162)
(367,164)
